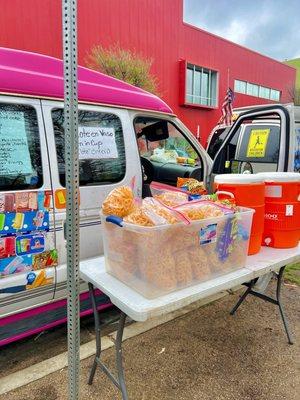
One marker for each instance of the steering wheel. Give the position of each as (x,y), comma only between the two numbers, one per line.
(148,170)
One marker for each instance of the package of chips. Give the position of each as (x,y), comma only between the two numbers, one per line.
(172,198)
(191,185)
(197,210)
(151,213)
(119,202)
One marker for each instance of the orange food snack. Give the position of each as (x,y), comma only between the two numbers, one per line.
(172,199)
(119,202)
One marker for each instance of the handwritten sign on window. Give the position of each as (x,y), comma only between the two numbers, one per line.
(14,151)
(97,143)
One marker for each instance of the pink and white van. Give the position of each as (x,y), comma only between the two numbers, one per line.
(120,127)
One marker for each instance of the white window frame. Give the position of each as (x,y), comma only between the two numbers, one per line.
(211,100)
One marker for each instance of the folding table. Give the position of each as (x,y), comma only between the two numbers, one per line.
(132,304)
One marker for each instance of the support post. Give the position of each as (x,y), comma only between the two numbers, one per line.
(69,17)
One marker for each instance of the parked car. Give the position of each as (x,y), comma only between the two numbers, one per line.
(121,128)
(262,138)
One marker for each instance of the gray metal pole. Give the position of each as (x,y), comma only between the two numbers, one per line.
(69,16)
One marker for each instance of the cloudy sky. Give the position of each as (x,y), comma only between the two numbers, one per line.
(271,27)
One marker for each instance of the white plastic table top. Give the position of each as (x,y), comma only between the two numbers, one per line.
(139,308)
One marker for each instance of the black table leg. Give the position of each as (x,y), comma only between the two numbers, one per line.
(250,285)
(120,382)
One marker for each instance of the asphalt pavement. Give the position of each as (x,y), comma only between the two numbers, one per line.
(204,355)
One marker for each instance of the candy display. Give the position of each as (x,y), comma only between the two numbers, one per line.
(155,251)
(25,241)
(119,202)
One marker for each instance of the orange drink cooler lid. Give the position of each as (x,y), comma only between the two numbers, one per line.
(240,179)
(280,176)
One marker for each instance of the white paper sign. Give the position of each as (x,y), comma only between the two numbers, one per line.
(14,152)
(97,143)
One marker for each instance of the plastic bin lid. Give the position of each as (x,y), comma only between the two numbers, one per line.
(280,176)
(239,178)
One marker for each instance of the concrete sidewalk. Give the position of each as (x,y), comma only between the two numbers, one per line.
(204,355)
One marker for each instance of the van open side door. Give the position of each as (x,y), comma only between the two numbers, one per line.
(267,148)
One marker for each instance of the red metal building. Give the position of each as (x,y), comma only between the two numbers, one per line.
(193,66)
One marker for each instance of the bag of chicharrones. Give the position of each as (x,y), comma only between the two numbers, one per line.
(171,198)
(202,209)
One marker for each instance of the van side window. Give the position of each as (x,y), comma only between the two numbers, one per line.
(101,147)
(20,152)
(260,144)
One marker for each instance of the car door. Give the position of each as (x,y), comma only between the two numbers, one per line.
(257,146)
(27,245)
(116,162)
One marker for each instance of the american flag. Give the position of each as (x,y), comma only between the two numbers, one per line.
(226,117)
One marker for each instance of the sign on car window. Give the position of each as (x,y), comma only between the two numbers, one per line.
(97,143)
(20,153)
(14,152)
(257,143)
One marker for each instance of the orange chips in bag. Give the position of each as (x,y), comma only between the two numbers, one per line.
(119,202)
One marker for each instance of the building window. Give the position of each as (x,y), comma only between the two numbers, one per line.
(240,86)
(264,92)
(201,86)
(252,89)
(275,95)
(255,90)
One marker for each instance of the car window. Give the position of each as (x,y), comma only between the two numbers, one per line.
(260,143)
(216,141)
(172,147)
(20,151)
(101,147)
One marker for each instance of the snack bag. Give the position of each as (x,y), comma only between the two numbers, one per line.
(192,186)
(197,210)
(119,202)
(172,198)
(151,213)
(22,199)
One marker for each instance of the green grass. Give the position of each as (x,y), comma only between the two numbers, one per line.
(292,273)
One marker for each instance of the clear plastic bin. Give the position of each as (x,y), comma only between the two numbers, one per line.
(157,260)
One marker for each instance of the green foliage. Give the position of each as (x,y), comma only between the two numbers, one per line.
(292,273)
(125,65)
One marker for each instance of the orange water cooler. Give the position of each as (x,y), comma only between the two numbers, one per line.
(282,209)
(249,191)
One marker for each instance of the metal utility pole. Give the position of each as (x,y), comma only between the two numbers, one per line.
(69,16)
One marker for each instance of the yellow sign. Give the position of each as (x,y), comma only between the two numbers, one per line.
(257,143)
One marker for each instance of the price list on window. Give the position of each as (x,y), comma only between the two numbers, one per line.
(14,151)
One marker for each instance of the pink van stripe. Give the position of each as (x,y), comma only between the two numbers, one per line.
(48,326)
(38,310)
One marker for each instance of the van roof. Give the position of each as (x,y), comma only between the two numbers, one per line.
(33,74)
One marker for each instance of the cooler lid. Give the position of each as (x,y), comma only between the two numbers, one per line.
(242,179)
(280,176)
